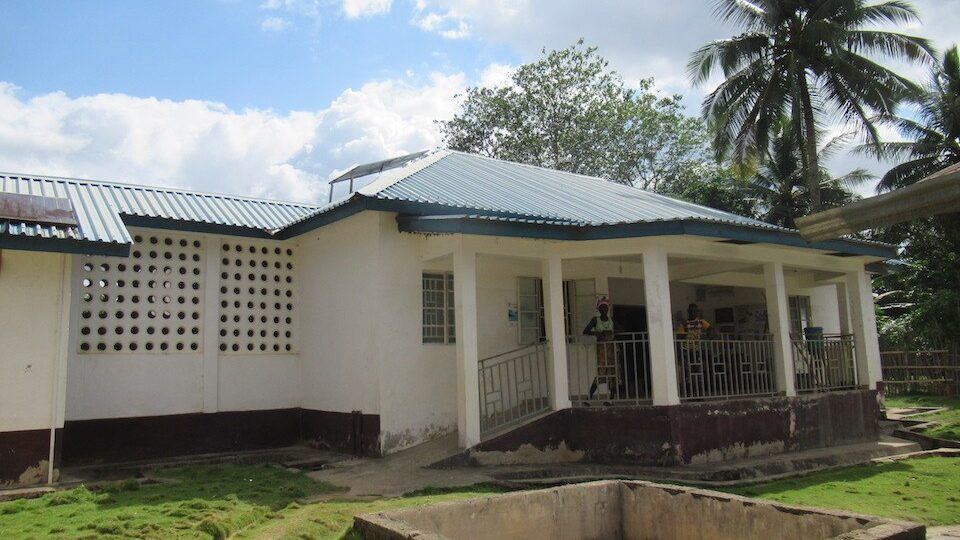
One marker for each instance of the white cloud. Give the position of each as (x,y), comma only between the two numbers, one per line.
(381,119)
(281,12)
(447,24)
(496,75)
(365,8)
(207,146)
(641,39)
(274,24)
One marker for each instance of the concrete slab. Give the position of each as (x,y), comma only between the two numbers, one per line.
(402,472)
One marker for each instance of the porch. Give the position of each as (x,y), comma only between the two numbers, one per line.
(780,328)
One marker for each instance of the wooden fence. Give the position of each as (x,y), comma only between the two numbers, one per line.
(921,372)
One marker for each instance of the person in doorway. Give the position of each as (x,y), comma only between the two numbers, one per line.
(601,327)
(695,326)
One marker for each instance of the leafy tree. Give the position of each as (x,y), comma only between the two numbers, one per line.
(570,111)
(919,302)
(935,134)
(779,188)
(804,59)
(716,187)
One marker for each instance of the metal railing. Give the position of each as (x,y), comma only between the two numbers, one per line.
(610,372)
(725,367)
(514,386)
(821,365)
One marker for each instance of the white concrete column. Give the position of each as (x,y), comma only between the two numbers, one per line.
(843,306)
(864,323)
(210,382)
(556,333)
(663,362)
(778,318)
(465,304)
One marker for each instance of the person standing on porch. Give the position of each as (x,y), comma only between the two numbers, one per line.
(695,326)
(601,327)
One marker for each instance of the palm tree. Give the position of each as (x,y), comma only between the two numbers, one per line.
(804,59)
(778,186)
(935,131)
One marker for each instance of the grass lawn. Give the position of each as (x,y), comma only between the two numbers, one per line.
(949,419)
(925,490)
(201,502)
(243,501)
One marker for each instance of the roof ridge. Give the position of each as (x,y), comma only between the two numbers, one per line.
(73,180)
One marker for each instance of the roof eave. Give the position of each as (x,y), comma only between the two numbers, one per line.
(63,245)
(479,226)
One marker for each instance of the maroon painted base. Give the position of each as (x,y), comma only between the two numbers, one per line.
(693,432)
(131,439)
(21,453)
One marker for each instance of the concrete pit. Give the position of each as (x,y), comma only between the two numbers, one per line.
(626,510)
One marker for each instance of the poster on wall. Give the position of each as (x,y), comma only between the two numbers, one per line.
(513,314)
(751,318)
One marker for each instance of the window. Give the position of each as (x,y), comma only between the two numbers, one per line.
(579,305)
(799,314)
(438,311)
(532,328)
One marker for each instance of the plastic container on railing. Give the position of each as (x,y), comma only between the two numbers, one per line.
(813,335)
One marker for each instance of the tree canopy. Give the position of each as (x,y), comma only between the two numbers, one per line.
(570,111)
(803,59)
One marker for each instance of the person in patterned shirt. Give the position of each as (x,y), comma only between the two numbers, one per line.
(695,326)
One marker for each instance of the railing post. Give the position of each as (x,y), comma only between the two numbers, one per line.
(864,320)
(468,377)
(663,362)
(778,317)
(556,333)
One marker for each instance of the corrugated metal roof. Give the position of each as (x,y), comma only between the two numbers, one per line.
(480,183)
(100,205)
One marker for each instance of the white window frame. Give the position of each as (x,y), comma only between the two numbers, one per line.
(538,311)
(801,314)
(571,303)
(444,312)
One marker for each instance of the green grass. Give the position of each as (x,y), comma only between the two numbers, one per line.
(201,502)
(925,490)
(239,501)
(949,419)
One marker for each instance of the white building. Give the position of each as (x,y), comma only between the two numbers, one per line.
(142,322)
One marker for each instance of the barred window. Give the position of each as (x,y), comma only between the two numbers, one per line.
(438,318)
(530,302)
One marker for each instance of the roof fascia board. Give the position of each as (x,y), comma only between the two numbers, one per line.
(466,225)
(194,226)
(63,245)
(354,205)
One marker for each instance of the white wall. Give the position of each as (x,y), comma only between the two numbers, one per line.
(132,384)
(33,312)
(823,303)
(339,307)
(418,385)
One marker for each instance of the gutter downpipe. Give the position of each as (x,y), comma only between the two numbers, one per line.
(61,352)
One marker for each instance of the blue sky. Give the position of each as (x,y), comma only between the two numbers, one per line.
(221,50)
(273,97)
